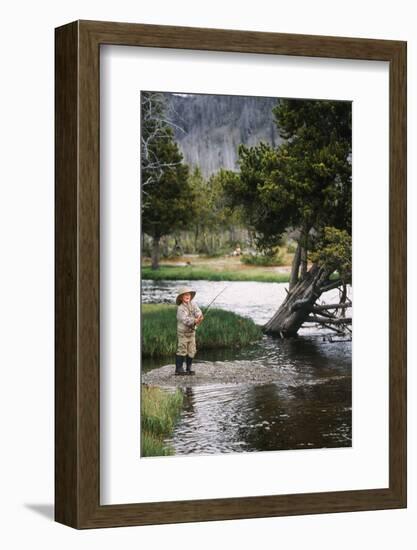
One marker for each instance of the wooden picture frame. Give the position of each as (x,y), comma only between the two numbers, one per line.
(77,365)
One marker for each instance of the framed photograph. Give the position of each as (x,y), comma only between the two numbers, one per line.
(230,274)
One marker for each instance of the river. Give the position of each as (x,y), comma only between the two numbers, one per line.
(309,404)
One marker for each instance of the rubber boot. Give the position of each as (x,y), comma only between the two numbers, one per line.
(189,362)
(179,361)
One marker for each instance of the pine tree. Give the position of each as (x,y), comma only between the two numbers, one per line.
(305,185)
(167,198)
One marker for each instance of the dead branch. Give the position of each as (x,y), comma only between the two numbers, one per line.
(331,306)
(331,286)
(324,320)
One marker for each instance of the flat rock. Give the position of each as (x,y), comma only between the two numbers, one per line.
(208,373)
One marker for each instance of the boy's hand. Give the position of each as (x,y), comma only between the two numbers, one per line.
(199,319)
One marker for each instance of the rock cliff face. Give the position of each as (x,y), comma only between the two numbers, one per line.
(209,128)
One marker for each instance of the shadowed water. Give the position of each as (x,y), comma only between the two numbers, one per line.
(309,406)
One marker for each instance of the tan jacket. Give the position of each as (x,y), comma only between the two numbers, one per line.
(186,317)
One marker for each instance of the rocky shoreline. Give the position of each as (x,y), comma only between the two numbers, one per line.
(207,373)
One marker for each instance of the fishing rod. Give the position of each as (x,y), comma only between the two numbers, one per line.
(212,302)
(214,299)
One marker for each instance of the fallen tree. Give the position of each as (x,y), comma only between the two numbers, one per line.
(300,306)
(304,184)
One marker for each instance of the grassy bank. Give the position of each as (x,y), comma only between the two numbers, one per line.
(191,273)
(160,410)
(220,329)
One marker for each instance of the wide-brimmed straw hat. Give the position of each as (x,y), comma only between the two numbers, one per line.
(184,290)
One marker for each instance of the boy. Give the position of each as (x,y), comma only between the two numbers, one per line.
(189,316)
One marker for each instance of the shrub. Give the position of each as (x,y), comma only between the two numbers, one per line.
(276,258)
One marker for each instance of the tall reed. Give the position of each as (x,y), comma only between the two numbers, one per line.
(160,409)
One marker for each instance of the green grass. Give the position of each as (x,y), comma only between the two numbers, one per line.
(154,446)
(220,329)
(191,273)
(160,410)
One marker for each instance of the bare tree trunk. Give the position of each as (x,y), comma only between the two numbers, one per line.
(303,262)
(296,307)
(155,252)
(304,250)
(295,267)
